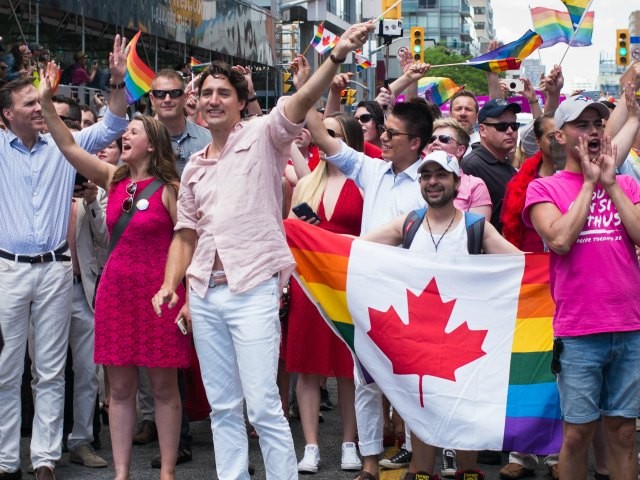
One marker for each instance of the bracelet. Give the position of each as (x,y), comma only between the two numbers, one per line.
(534,101)
(252,99)
(337,60)
(117,86)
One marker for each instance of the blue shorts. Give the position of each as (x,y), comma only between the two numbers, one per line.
(600,375)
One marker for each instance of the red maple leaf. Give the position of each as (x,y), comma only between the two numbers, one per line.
(326,40)
(423,347)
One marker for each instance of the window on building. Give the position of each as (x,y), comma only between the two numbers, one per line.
(479,25)
(479,10)
(428,3)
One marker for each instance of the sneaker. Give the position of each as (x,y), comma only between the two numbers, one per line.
(350,459)
(325,402)
(469,475)
(146,433)
(449,465)
(87,456)
(311,460)
(184,456)
(397,461)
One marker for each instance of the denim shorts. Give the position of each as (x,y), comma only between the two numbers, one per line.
(600,375)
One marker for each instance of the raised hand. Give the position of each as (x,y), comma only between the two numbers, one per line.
(631,100)
(385,98)
(353,38)
(591,167)
(340,82)
(301,71)
(48,80)
(118,59)
(417,70)
(608,151)
(247,74)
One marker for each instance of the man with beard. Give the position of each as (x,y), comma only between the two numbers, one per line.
(589,219)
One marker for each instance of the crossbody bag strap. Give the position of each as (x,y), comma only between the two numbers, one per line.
(126,217)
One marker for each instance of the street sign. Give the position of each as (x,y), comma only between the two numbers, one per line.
(634,46)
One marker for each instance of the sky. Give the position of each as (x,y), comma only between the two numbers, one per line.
(512,18)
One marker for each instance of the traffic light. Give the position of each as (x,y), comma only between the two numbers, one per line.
(395,13)
(348,96)
(287,82)
(622,47)
(417,43)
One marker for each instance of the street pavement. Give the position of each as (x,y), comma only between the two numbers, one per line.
(203,466)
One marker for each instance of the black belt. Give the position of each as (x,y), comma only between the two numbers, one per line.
(77,279)
(41,258)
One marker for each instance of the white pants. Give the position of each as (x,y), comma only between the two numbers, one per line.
(41,292)
(369,419)
(237,339)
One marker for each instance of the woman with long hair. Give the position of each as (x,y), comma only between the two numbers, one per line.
(313,350)
(128,334)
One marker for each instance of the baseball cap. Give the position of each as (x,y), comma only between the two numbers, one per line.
(572,108)
(444,159)
(495,108)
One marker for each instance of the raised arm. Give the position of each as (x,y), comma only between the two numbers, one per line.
(325,142)
(118,67)
(389,233)
(339,83)
(253,105)
(88,165)
(626,135)
(409,79)
(553,85)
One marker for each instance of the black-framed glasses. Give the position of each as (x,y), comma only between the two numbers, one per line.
(392,133)
(333,134)
(446,139)
(364,118)
(504,126)
(175,93)
(127,204)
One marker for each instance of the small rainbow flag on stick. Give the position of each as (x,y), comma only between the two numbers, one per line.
(362,62)
(509,56)
(576,9)
(437,89)
(555,27)
(323,40)
(139,76)
(197,66)
(403,316)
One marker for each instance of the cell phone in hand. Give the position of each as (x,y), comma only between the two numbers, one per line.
(182,325)
(304,210)
(79,183)
(514,84)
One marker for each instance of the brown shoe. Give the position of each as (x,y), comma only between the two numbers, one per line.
(146,433)
(45,473)
(554,471)
(17,475)
(513,471)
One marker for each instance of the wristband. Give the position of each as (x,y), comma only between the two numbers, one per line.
(117,86)
(533,102)
(337,60)
(252,99)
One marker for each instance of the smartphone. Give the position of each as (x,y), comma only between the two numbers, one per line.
(304,210)
(514,84)
(79,183)
(592,94)
(182,325)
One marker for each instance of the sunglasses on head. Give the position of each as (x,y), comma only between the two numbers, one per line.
(332,133)
(364,118)
(504,126)
(175,93)
(446,139)
(127,204)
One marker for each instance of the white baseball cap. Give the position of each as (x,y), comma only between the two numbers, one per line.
(444,159)
(572,108)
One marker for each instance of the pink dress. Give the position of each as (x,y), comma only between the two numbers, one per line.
(127,330)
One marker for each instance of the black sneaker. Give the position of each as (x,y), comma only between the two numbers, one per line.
(449,466)
(397,461)
(184,456)
(325,402)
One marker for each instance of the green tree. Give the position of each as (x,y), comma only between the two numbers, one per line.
(474,79)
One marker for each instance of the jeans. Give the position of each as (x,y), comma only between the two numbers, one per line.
(237,339)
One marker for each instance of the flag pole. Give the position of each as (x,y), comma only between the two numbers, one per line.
(575,31)
(308,46)
(387,11)
(359,84)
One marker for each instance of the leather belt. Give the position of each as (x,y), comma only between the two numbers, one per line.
(56,255)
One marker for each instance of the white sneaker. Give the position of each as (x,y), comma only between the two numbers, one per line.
(350,459)
(311,460)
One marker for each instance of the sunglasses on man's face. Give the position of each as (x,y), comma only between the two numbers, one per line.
(364,118)
(504,126)
(175,93)
(444,139)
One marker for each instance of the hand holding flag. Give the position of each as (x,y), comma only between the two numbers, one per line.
(138,74)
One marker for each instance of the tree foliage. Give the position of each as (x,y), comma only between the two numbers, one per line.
(474,79)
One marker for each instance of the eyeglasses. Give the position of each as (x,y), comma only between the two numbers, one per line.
(175,93)
(364,118)
(332,133)
(446,139)
(504,126)
(392,133)
(127,205)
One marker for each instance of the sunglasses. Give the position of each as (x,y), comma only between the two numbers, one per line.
(127,205)
(504,126)
(392,133)
(332,133)
(364,118)
(175,93)
(445,139)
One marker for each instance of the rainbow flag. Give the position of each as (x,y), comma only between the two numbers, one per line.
(437,89)
(467,367)
(509,56)
(139,76)
(323,40)
(576,9)
(362,62)
(197,66)
(555,27)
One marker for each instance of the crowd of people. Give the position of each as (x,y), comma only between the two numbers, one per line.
(129,242)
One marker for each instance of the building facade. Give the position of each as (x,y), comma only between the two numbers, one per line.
(483,22)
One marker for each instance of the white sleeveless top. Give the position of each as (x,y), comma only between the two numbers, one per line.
(455,240)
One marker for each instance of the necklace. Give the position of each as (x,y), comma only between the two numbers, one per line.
(435,244)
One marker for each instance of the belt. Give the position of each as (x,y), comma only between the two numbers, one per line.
(77,279)
(56,255)
(218,277)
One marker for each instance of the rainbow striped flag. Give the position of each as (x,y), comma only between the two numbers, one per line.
(555,27)
(362,62)
(576,9)
(466,366)
(509,56)
(139,76)
(323,40)
(197,66)
(437,89)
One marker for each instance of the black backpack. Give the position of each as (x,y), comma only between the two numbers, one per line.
(473,222)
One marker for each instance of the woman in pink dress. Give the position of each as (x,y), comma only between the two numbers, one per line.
(313,350)
(128,334)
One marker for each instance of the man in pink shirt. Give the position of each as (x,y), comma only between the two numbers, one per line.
(230,242)
(590,220)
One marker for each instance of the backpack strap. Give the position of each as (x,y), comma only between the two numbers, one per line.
(475,232)
(411,226)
